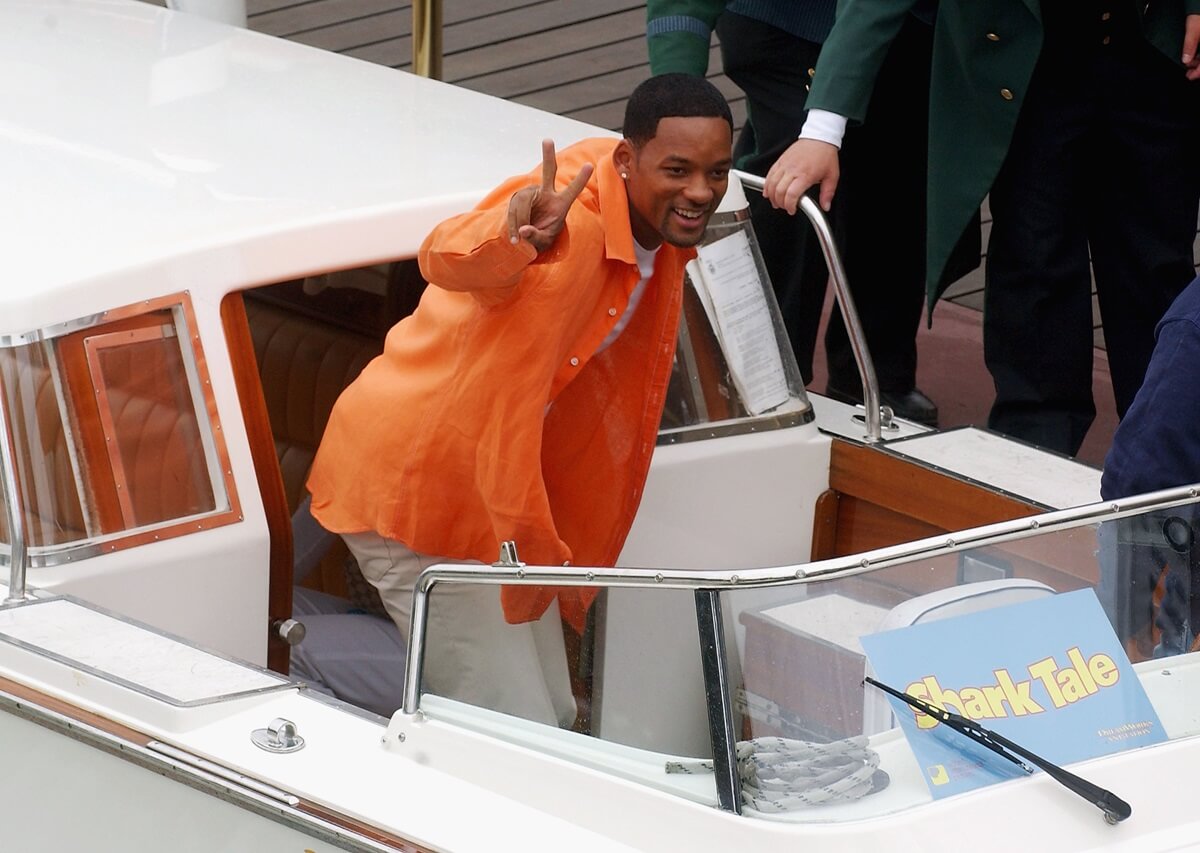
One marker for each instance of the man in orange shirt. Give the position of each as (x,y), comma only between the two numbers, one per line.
(521,400)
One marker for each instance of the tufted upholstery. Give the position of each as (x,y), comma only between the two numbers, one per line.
(304,365)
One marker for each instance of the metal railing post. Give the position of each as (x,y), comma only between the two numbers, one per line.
(416,648)
(427,38)
(854,330)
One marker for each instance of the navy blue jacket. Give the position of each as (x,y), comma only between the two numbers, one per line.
(1157,445)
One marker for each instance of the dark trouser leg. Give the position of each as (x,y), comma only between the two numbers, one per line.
(1037,303)
(771,67)
(1145,179)
(882,190)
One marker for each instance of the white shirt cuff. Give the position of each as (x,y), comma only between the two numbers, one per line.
(824,126)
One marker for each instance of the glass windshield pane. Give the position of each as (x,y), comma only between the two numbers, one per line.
(580,696)
(111,430)
(1076,642)
(733,362)
(1058,640)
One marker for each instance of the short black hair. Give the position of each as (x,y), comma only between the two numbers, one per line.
(669,96)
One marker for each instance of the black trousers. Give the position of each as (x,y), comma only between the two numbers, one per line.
(879,211)
(1104,157)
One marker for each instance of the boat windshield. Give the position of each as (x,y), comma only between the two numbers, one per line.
(734,370)
(1055,640)
(1072,634)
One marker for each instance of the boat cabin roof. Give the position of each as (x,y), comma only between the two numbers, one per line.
(144,151)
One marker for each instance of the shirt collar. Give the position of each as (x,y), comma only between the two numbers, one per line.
(614,205)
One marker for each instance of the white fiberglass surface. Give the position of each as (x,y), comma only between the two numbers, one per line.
(131,135)
(1019,469)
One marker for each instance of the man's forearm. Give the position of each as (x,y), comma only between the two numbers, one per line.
(473,252)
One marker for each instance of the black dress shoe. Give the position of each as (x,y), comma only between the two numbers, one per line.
(911,405)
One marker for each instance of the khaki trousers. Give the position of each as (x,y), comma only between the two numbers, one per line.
(471,653)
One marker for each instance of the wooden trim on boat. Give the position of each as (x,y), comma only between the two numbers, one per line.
(266,469)
(73,712)
(917,491)
(878,499)
(825,525)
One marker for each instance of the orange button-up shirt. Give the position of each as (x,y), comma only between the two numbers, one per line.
(490,415)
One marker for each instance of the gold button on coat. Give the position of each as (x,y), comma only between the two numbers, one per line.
(993,37)
(1105,16)
(1006,94)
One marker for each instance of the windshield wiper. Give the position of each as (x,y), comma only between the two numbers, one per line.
(1115,809)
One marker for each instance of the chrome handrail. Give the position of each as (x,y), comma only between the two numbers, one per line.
(518,574)
(427,38)
(854,329)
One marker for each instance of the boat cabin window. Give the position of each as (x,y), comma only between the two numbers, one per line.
(114,432)
(1074,635)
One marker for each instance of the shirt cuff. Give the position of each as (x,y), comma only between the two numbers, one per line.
(824,126)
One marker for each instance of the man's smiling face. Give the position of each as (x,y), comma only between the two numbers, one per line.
(676,179)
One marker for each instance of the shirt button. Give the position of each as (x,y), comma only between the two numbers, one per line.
(612,312)
(993,37)
(1006,94)
(574,361)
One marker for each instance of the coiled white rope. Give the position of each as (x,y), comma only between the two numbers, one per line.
(780,774)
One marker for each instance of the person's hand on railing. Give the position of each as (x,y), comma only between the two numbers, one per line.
(1191,47)
(538,213)
(807,162)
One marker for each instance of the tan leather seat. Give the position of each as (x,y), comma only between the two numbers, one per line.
(304,365)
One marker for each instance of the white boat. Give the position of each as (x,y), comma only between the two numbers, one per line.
(205,231)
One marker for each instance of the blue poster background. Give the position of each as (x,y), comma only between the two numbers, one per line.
(996,649)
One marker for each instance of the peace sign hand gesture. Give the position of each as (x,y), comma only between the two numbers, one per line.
(537,214)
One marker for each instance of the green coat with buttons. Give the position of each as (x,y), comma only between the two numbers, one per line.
(983,57)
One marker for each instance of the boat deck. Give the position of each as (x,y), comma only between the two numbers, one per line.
(580,58)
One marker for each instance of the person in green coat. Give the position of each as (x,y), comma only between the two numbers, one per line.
(1082,122)
(769,49)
